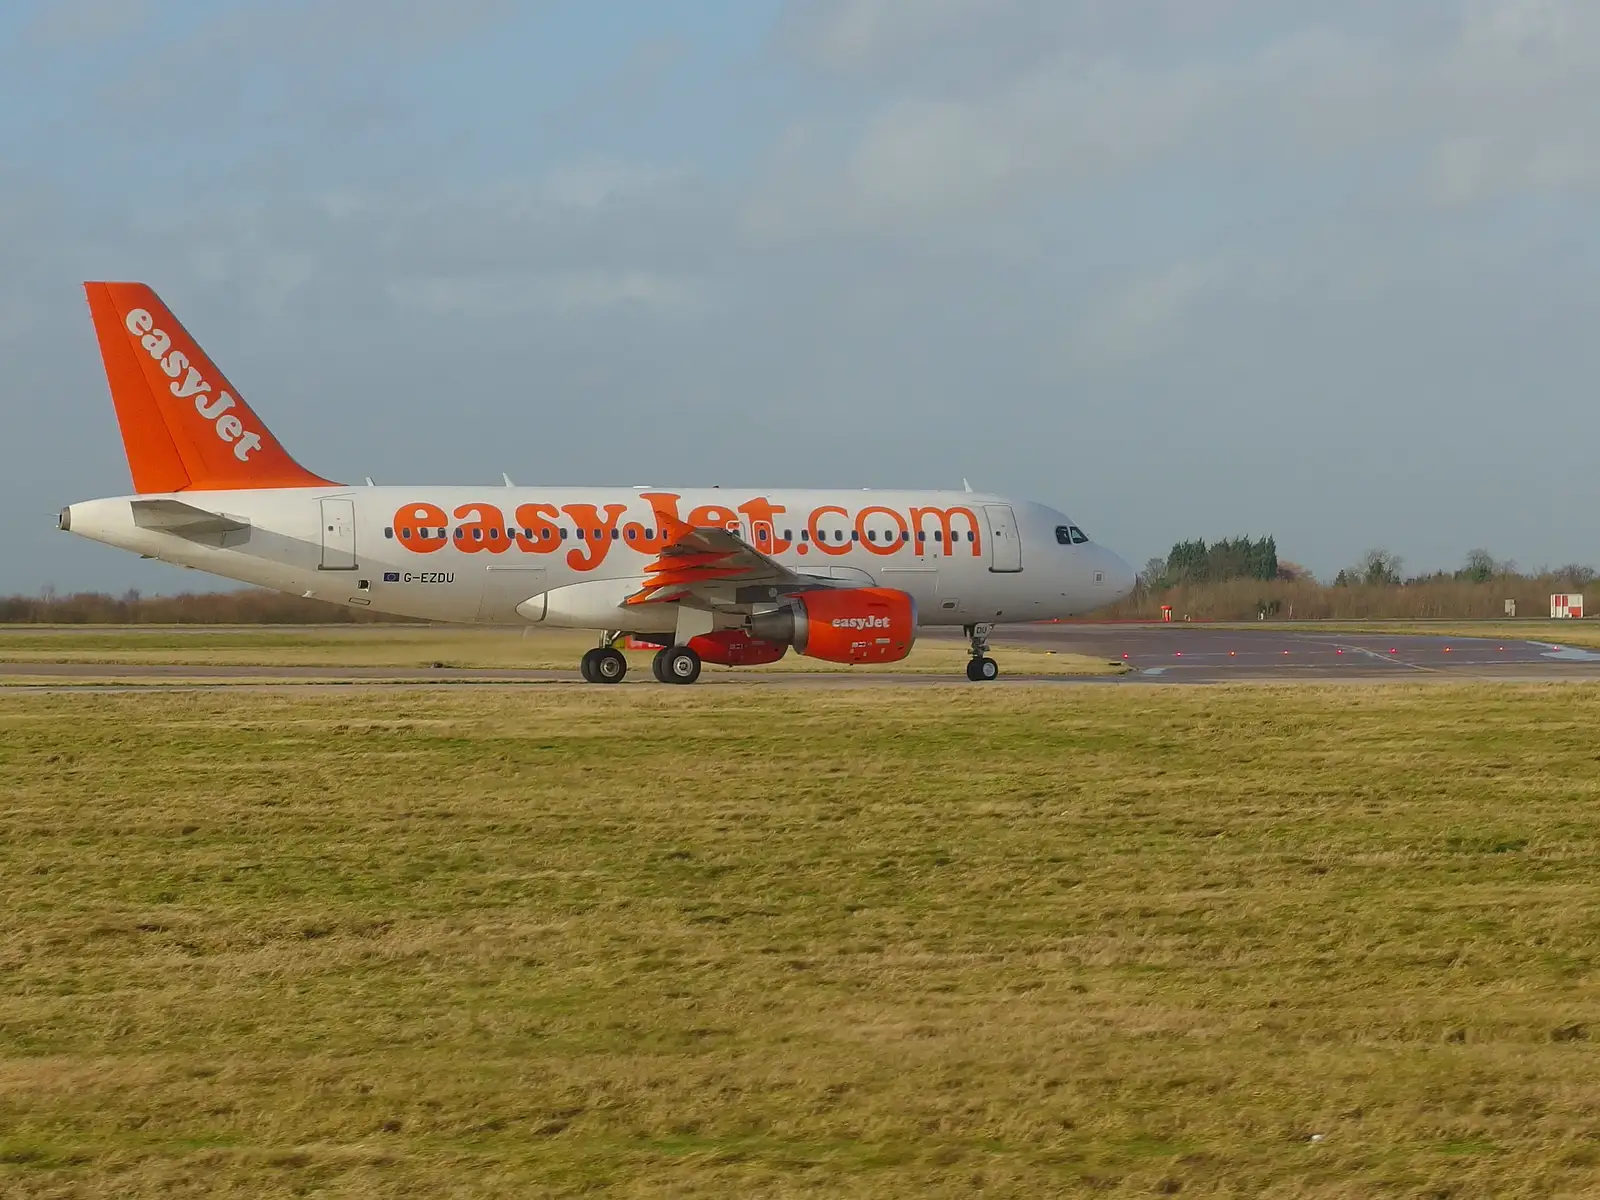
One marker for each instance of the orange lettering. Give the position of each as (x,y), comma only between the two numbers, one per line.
(420,527)
(873,547)
(536,532)
(820,536)
(761,514)
(595,531)
(709,516)
(488,532)
(947,534)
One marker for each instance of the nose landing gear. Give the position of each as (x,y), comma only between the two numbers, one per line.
(981,667)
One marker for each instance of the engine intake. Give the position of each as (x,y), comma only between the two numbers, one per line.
(843,625)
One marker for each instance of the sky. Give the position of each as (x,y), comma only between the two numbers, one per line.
(1181,268)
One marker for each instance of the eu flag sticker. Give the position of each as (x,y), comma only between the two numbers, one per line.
(391,576)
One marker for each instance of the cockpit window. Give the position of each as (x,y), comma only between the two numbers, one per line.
(1070,535)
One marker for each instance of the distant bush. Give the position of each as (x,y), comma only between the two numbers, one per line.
(1238,558)
(1442,596)
(247,606)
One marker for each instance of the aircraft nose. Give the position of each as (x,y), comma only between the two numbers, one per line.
(1120,577)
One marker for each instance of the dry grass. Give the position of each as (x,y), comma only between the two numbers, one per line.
(423,646)
(736,941)
(1433,599)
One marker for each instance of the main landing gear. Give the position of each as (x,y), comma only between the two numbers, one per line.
(675,664)
(605,663)
(981,668)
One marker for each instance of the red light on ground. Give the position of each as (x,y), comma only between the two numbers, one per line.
(1392,650)
(1447,649)
(1177,654)
(1233,653)
(1499,647)
(1124,656)
(1286,652)
(1338,651)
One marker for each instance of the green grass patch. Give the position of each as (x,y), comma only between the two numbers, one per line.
(743,941)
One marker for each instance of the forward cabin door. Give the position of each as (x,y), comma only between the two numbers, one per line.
(338,535)
(1005,546)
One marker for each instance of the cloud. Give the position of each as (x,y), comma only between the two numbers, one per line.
(65,22)
(1491,102)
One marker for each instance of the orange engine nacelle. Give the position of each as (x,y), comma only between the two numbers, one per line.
(844,625)
(736,648)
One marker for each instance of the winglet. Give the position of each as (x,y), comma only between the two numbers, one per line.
(183,424)
(965,486)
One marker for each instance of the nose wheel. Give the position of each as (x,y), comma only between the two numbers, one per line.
(981,668)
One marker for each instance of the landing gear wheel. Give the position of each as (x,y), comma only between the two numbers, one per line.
(980,670)
(586,665)
(679,664)
(658,665)
(609,665)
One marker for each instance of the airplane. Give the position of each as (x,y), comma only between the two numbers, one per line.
(726,576)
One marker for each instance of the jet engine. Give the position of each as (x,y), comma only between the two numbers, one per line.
(843,625)
(736,648)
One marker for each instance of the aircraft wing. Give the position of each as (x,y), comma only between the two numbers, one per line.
(702,566)
(185,520)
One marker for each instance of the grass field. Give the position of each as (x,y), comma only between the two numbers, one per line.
(424,646)
(675,942)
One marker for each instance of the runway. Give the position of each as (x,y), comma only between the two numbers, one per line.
(1202,654)
(1152,655)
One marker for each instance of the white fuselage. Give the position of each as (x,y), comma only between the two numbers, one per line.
(482,554)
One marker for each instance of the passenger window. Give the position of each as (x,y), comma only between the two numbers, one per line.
(405,534)
(938,535)
(460,534)
(838,535)
(441,533)
(872,535)
(649,535)
(761,535)
(970,535)
(477,535)
(613,535)
(788,535)
(855,535)
(494,535)
(805,535)
(922,535)
(564,534)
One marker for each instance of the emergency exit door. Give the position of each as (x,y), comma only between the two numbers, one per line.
(338,535)
(1005,547)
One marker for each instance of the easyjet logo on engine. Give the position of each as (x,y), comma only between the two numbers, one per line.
(189,382)
(861,622)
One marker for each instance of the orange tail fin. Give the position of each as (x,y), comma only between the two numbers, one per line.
(183,425)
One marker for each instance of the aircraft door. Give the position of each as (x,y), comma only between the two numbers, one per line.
(338,535)
(1005,544)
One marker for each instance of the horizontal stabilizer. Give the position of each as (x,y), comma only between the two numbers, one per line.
(185,520)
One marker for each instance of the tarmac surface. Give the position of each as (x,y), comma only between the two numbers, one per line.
(1153,655)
